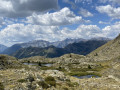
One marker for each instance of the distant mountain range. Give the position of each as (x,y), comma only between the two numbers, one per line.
(40,44)
(82,48)
(54,49)
(2,48)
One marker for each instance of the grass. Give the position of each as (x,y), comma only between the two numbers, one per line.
(51,81)
(1,86)
(61,69)
(47,68)
(43,84)
(72,84)
(85,71)
(22,80)
(84,74)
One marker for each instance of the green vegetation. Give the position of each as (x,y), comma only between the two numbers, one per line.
(84,74)
(39,64)
(51,81)
(43,84)
(1,86)
(61,69)
(2,57)
(89,67)
(47,68)
(86,71)
(72,84)
(22,80)
(31,78)
(65,88)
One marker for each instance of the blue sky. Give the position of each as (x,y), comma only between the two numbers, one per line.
(53,20)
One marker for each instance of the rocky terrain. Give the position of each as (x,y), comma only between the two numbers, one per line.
(99,70)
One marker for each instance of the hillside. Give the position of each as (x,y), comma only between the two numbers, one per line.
(7,62)
(12,49)
(85,47)
(50,51)
(108,51)
(82,48)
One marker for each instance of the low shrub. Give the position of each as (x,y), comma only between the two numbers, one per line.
(51,81)
(22,80)
(1,86)
(43,84)
(30,78)
(84,74)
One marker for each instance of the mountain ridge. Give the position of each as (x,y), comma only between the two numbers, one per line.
(105,52)
(82,48)
(43,44)
(2,48)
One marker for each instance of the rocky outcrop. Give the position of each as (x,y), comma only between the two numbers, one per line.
(7,62)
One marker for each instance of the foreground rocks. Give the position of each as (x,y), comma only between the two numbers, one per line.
(14,79)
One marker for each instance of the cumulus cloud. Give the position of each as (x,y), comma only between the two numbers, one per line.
(62,17)
(71,3)
(110,11)
(17,33)
(78,1)
(101,22)
(112,31)
(111,1)
(22,8)
(85,13)
(2,21)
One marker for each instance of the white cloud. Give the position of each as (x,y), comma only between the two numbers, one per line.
(62,17)
(111,1)
(110,11)
(101,22)
(23,33)
(112,31)
(2,22)
(85,13)
(20,33)
(23,8)
(17,33)
(78,1)
(71,3)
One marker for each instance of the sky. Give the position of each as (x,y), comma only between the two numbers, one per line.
(55,20)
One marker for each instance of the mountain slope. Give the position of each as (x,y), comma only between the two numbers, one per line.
(50,51)
(64,43)
(2,48)
(108,51)
(40,44)
(12,49)
(82,48)
(8,62)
